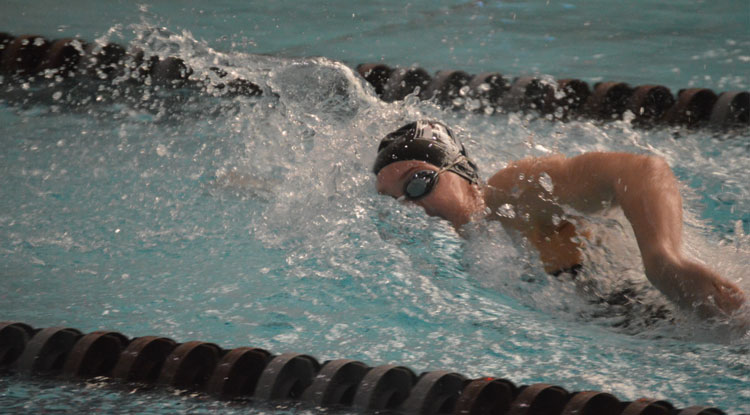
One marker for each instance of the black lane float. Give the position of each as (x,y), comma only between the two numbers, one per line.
(248,372)
(34,57)
(563,99)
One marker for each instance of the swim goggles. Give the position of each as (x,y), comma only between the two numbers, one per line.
(422,182)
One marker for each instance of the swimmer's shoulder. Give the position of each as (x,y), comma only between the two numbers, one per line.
(582,182)
(518,171)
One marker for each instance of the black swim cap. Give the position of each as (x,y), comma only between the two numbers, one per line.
(429,141)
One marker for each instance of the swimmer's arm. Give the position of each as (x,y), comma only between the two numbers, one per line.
(535,214)
(647,191)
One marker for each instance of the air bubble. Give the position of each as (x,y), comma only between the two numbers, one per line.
(546,182)
(506,211)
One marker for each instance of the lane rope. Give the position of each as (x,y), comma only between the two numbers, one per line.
(34,58)
(248,372)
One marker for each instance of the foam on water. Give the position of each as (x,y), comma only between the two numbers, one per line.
(254,221)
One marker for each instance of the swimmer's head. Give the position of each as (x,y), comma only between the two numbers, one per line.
(428,141)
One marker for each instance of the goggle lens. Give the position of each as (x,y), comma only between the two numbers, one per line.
(421,184)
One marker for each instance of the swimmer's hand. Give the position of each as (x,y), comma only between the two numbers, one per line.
(696,287)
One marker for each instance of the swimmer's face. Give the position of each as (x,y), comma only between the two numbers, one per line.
(451,197)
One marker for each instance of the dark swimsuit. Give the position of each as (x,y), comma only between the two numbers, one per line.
(625,303)
(573,271)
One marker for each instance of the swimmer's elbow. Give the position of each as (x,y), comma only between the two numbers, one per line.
(639,171)
(651,164)
(657,164)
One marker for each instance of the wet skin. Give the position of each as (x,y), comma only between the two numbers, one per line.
(535,188)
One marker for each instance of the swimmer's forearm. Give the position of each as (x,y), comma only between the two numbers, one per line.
(648,194)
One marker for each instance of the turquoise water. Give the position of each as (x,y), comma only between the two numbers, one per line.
(254,221)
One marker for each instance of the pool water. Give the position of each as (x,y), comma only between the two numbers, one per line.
(253,221)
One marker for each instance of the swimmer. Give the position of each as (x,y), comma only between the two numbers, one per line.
(425,164)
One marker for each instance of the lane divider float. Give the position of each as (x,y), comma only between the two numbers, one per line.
(35,57)
(248,372)
(563,99)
